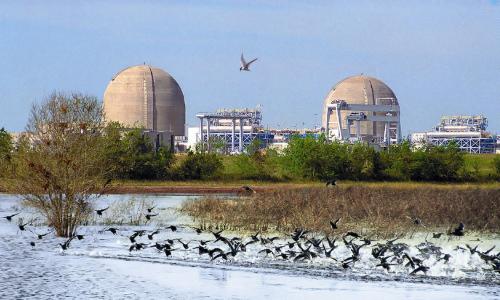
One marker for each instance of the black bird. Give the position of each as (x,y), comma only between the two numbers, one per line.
(151,209)
(100,211)
(416,221)
(255,237)
(221,254)
(151,235)
(315,242)
(79,236)
(203,243)
(65,245)
(40,236)
(149,216)
(168,251)
(445,257)
(331,243)
(184,245)
(282,255)
(140,232)
(331,182)
(172,227)
(137,246)
(112,230)
(248,189)
(333,224)
(459,231)
(217,235)
(133,236)
(437,235)
(423,269)
(412,261)
(211,252)
(353,234)
(201,250)
(472,250)
(267,251)
(243,247)
(197,230)
(328,253)
(9,218)
(22,227)
(384,263)
(299,233)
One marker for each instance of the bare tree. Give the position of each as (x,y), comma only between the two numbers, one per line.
(60,166)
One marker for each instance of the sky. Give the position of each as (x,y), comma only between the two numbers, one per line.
(439,57)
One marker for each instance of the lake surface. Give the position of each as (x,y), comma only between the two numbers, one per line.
(101,266)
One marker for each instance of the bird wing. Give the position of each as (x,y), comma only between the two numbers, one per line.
(250,62)
(242,60)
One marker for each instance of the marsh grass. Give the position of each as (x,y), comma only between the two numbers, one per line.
(373,210)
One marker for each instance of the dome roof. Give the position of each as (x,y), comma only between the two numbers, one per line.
(360,89)
(145,96)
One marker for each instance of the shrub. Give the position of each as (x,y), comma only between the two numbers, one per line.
(496,163)
(58,167)
(198,165)
(134,155)
(437,163)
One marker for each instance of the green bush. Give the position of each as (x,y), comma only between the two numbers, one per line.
(496,163)
(198,165)
(5,149)
(396,162)
(134,155)
(437,163)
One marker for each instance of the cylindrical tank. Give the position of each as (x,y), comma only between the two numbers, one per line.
(147,97)
(360,89)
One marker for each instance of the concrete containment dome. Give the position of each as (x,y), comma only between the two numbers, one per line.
(363,90)
(148,97)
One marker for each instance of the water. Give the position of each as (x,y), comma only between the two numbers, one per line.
(100,266)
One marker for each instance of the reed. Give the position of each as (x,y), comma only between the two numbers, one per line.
(373,210)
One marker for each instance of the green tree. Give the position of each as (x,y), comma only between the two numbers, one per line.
(396,161)
(437,163)
(364,162)
(5,150)
(134,156)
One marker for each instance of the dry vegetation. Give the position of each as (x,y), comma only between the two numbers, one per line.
(375,210)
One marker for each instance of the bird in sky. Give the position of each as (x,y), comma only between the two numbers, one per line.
(244,64)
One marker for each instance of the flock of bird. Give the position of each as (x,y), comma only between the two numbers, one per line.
(301,245)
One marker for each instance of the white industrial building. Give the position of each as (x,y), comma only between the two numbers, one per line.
(234,128)
(469,132)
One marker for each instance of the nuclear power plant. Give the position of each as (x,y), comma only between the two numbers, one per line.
(357,109)
(147,97)
(362,109)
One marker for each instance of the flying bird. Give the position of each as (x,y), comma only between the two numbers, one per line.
(100,211)
(9,218)
(244,64)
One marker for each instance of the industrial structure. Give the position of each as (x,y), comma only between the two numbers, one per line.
(234,128)
(469,132)
(147,97)
(362,109)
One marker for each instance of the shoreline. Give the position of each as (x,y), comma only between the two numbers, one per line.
(236,187)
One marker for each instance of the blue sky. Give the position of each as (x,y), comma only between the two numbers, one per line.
(439,57)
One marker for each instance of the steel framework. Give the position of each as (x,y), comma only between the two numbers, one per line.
(247,120)
(392,128)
